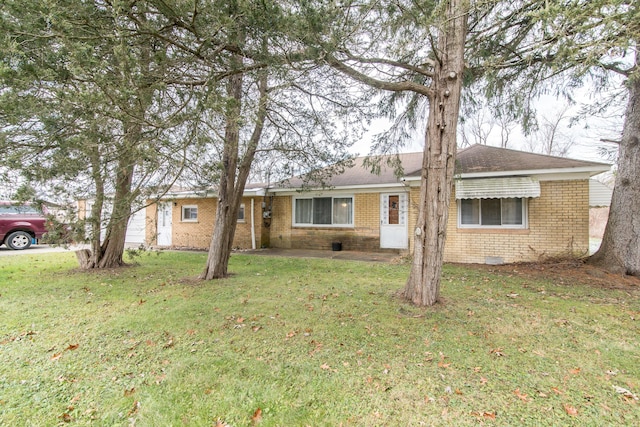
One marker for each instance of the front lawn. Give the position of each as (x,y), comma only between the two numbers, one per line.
(297,342)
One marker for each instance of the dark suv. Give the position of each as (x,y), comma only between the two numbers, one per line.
(20,224)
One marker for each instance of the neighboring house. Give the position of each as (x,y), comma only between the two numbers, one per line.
(599,194)
(599,202)
(508,206)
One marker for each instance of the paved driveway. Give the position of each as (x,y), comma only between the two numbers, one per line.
(33,250)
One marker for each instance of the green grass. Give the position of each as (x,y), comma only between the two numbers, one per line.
(309,342)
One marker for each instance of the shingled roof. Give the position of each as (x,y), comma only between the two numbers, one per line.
(477,160)
(484,158)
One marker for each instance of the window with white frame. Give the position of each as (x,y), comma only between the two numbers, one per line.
(506,212)
(323,211)
(241,213)
(190,213)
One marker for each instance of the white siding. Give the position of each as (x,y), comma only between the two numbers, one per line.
(599,194)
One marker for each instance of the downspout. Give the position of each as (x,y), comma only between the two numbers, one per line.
(253,227)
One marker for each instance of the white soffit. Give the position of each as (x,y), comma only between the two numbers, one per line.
(497,188)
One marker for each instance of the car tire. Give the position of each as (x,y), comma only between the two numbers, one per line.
(18,240)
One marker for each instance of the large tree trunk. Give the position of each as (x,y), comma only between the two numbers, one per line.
(109,253)
(232,186)
(225,222)
(113,246)
(423,285)
(88,258)
(222,240)
(620,248)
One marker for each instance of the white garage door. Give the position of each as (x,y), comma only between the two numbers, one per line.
(136,228)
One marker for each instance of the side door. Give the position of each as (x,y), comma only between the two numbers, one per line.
(164,223)
(393,221)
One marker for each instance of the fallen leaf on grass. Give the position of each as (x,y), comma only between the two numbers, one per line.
(497,352)
(485,415)
(317,348)
(257,416)
(521,395)
(611,373)
(57,356)
(134,410)
(326,367)
(626,393)
(575,371)
(66,417)
(129,392)
(570,410)
(441,363)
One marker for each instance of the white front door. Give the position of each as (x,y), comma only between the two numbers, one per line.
(393,221)
(164,224)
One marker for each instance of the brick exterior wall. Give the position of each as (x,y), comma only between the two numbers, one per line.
(558,226)
(197,235)
(364,236)
(185,234)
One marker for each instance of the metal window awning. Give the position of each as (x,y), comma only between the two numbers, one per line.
(497,188)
